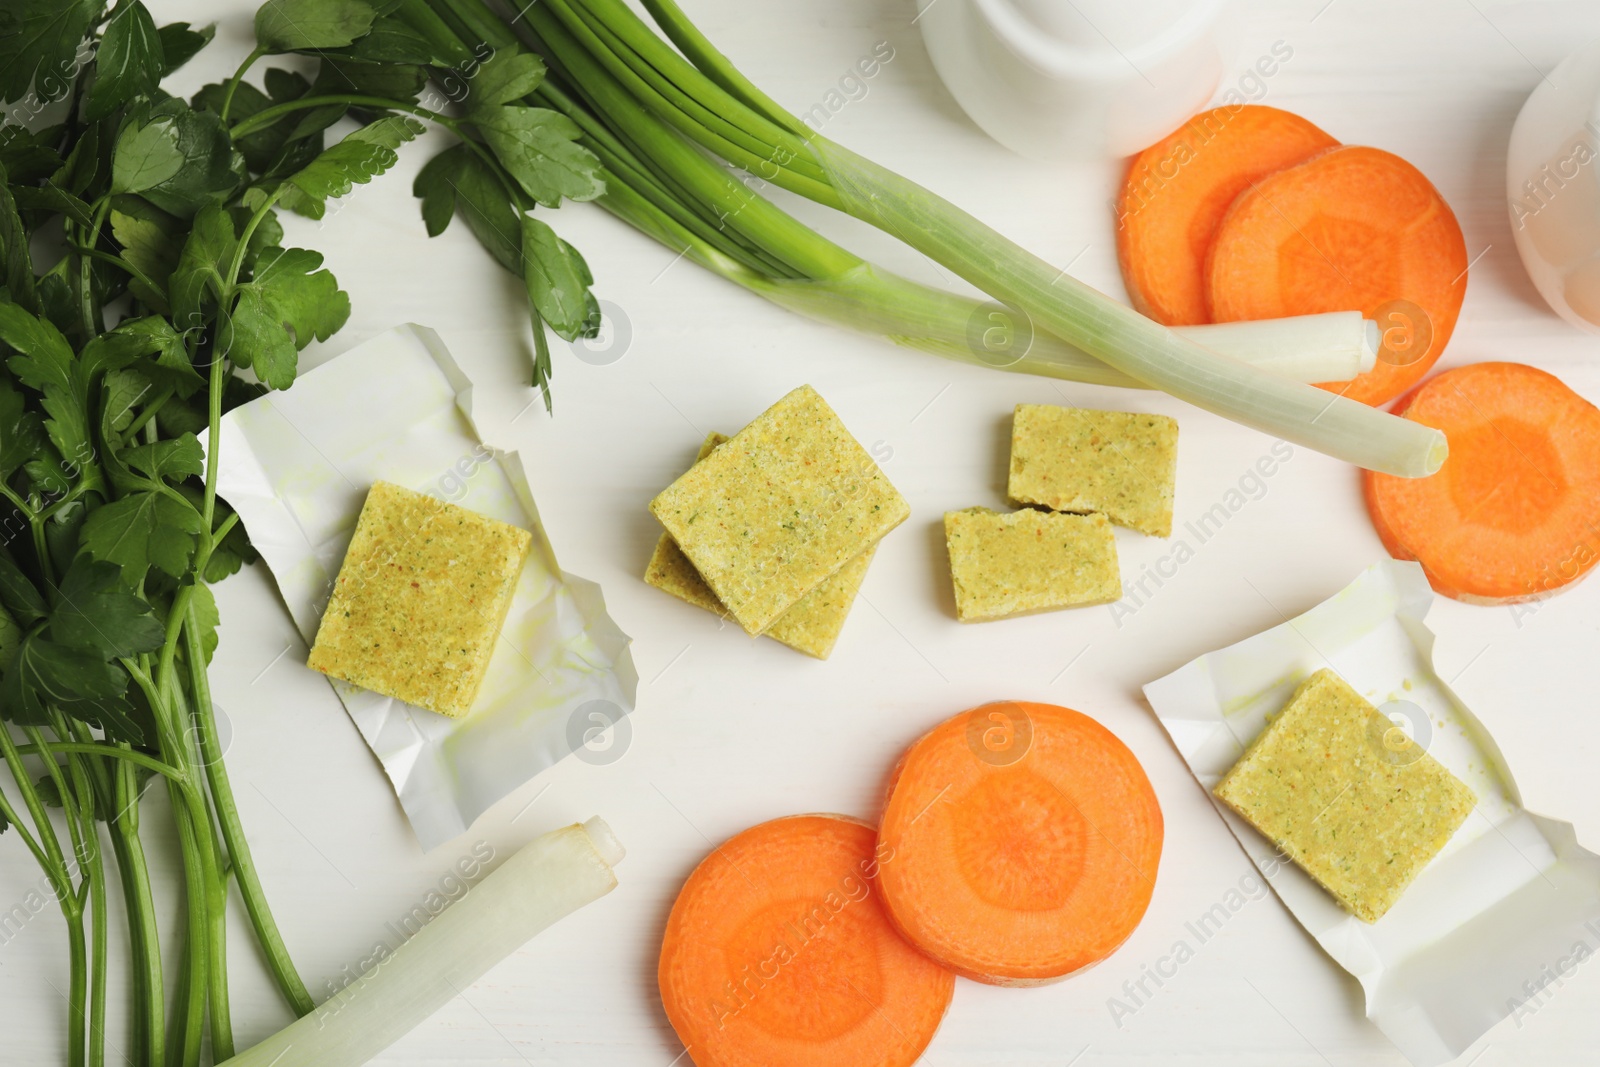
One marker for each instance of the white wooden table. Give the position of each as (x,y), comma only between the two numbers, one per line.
(730,732)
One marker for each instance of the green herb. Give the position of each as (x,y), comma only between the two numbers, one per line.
(173,298)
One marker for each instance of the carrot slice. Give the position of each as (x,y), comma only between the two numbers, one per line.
(1514,513)
(1352,229)
(1178,189)
(779,954)
(1019,843)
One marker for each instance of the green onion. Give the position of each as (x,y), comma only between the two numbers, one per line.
(638,99)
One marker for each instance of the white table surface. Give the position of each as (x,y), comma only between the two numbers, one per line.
(731,732)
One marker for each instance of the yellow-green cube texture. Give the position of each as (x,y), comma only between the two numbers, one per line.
(1341,790)
(779,509)
(1118,463)
(420,599)
(811,626)
(1023,562)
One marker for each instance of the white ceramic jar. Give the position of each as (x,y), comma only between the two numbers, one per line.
(1076,79)
(1553,187)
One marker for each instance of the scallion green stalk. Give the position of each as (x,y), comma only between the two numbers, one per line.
(621,66)
(677,195)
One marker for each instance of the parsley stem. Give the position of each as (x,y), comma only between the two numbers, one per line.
(41,547)
(214,416)
(145,935)
(233,82)
(244,868)
(267,116)
(99,748)
(77,805)
(16,501)
(117,793)
(93,318)
(77,986)
(68,798)
(203,720)
(61,885)
(223,529)
(198,984)
(59,504)
(147,414)
(94,860)
(237,263)
(57,869)
(9,813)
(118,262)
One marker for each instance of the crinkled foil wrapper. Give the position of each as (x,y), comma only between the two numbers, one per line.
(1484,927)
(297,465)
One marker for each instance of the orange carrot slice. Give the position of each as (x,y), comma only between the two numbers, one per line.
(1019,843)
(1514,513)
(1178,189)
(779,954)
(1352,229)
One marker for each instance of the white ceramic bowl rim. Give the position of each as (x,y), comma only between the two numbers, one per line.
(1059,59)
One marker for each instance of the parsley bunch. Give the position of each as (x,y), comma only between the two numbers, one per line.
(513,155)
(145,289)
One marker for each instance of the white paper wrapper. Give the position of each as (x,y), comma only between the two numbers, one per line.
(1501,915)
(297,466)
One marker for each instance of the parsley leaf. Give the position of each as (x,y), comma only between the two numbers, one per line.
(20,431)
(295,25)
(148,243)
(27,156)
(144,530)
(207,618)
(98,611)
(489,211)
(392,81)
(129,62)
(56,199)
(108,352)
(82,167)
(253,335)
(435,186)
(180,43)
(180,457)
(46,357)
(10,635)
(124,389)
(391,41)
(540,148)
(146,155)
(18,593)
(360,157)
(46,363)
(39,42)
(178,158)
(307,300)
(558,282)
(506,78)
(201,267)
(171,365)
(78,681)
(16,269)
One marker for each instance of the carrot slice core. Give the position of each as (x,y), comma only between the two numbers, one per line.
(1351,229)
(1019,843)
(1177,191)
(1514,513)
(778,953)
